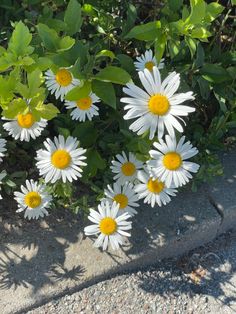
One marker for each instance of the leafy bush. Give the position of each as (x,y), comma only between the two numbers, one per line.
(98,41)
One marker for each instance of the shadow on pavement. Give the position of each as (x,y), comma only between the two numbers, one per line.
(208,271)
(33,253)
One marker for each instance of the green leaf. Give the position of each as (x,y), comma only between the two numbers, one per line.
(73,17)
(106,53)
(20,40)
(63,131)
(35,80)
(131,18)
(160,45)
(198,11)
(86,133)
(65,43)
(79,92)
(47,112)
(212,11)
(175,5)
(191,45)
(52,41)
(178,27)
(7,87)
(94,162)
(42,63)
(231,124)
(146,32)
(215,73)
(113,74)
(10,183)
(105,91)
(126,63)
(174,47)
(200,56)
(222,102)
(49,37)
(204,88)
(200,32)
(26,61)
(7,61)
(16,107)
(2,50)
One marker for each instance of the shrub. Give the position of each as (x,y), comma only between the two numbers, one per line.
(61,59)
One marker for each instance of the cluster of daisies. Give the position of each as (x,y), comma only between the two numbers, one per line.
(156,108)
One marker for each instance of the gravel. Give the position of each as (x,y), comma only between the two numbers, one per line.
(204,281)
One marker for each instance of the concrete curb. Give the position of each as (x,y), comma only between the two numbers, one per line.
(43,262)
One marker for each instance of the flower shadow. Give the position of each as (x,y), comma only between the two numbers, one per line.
(33,253)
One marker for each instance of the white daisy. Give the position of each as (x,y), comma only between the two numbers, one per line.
(33,199)
(110,227)
(169,161)
(24,127)
(2,147)
(61,82)
(154,191)
(62,159)
(125,168)
(158,107)
(124,195)
(148,61)
(84,107)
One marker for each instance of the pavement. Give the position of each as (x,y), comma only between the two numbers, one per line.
(202,281)
(45,260)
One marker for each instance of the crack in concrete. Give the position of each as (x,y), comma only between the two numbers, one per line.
(218,207)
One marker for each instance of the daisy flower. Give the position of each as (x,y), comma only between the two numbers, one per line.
(124,195)
(24,127)
(33,199)
(158,107)
(125,168)
(61,82)
(147,61)
(169,161)
(110,227)
(154,191)
(84,107)
(62,159)
(2,147)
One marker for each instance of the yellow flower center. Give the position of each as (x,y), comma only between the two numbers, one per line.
(63,77)
(108,226)
(155,186)
(84,103)
(61,159)
(128,169)
(159,104)
(25,120)
(172,161)
(33,199)
(149,65)
(121,199)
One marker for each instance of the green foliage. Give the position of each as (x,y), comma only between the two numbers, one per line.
(113,74)
(73,18)
(145,32)
(79,92)
(20,40)
(51,40)
(105,91)
(98,41)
